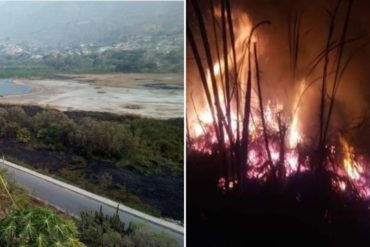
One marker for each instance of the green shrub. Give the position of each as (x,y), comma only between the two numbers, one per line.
(97,229)
(141,236)
(23,135)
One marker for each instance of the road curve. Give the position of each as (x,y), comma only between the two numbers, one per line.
(74,200)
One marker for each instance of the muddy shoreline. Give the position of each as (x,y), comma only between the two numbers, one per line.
(154,96)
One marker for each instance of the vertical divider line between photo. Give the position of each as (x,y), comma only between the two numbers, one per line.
(185,123)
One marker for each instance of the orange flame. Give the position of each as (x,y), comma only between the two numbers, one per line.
(350,174)
(352,168)
(295,136)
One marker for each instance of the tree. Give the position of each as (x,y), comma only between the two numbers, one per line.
(53,127)
(10,129)
(18,115)
(99,138)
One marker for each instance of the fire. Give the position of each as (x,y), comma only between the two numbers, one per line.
(270,114)
(294,134)
(275,137)
(257,153)
(352,168)
(352,172)
(217,69)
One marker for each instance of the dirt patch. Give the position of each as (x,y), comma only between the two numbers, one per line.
(123,79)
(133,106)
(161,85)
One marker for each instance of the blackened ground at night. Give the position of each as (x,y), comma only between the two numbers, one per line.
(303,211)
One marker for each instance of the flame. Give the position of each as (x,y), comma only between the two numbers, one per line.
(284,154)
(270,114)
(217,69)
(352,173)
(352,168)
(242,27)
(294,134)
(342,185)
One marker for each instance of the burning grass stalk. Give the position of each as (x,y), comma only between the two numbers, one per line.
(258,81)
(236,76)
(247,111)
(206,90)
(294,43)
(321,145)
(220,115)
(203,77)
(237,160)
(282,132)
(226,62)
(338,68)
(226,102)
(188,138)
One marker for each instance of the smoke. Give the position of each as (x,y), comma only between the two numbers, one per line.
(353,95)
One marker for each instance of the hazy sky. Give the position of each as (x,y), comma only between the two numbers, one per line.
(74,22)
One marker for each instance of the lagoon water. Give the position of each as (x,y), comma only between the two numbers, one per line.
(8,87)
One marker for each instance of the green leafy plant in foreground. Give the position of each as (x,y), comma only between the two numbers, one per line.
(37,227)
(32,226)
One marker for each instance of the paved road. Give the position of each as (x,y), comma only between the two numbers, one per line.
(74,200)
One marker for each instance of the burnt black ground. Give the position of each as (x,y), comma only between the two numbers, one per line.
(163,192)
(303,212)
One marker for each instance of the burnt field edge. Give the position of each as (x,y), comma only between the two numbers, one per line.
(155,192)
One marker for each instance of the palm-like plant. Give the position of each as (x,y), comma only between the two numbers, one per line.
(37,227)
